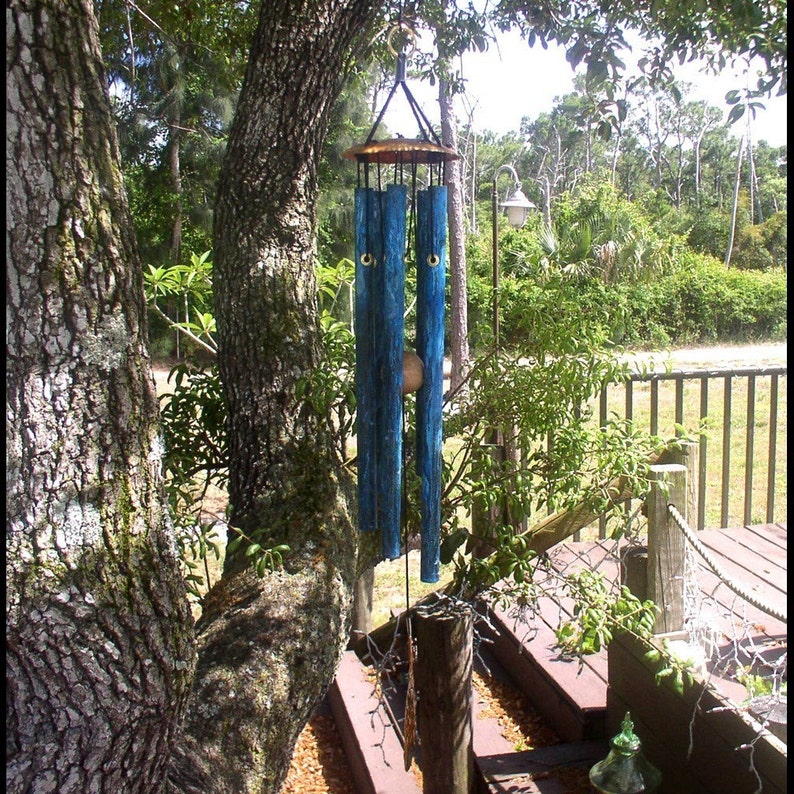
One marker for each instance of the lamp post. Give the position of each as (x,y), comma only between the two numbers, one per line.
(485,517)
(517,207)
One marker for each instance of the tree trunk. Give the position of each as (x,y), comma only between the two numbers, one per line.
(269,647)
(99,634)
(458,311)
(735,205)
(175,137)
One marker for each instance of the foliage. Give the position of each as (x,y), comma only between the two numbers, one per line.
(191,285)
(555,457)
(598,615)
(264,558)
(195,461)
(763,245)
(704,302)
(349,124)
(709,231)
(174,71)
(194,411)
(758,685)
(330,388)
(680,672)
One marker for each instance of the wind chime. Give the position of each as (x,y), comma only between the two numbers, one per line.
(400,216)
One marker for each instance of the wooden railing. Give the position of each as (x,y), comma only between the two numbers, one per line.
(739,458)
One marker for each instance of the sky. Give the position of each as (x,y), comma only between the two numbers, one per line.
(510,81)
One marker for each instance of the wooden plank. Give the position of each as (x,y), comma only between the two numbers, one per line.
(728,602)
(583,679)
(775,533)
(752,569)
(754,541)
(601,555)
(488,733)
(549,612)
(570,697)
(529,763)
(591,554)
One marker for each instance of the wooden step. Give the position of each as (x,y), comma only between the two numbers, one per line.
(570,695)
(369,737)
(536,771)
(371,734)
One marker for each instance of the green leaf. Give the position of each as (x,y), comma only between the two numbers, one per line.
(451,544)
(736,113)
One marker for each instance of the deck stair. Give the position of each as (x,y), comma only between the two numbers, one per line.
(372,734)
(571,695)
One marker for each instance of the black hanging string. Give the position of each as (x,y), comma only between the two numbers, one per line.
(404,514)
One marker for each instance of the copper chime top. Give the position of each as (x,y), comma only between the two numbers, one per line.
(401,150)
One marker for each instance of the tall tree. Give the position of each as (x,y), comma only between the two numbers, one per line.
(286,486)
(175,69)
(99,635)
(458,315)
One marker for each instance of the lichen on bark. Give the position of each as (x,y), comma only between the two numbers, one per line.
(268,648)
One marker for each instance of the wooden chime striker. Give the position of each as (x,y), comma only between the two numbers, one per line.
(391,213)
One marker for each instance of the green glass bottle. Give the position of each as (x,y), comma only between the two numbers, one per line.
(625,770)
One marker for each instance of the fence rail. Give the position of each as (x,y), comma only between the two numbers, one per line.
(756,427)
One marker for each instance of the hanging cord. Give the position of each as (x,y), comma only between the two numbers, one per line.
(403,516)
(426,131)
(409,731)
(709,560)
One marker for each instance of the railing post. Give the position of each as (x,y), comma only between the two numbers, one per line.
(444,662)
(666,546)
(687,454)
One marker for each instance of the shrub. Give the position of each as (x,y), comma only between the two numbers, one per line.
(705,302)
(762,246)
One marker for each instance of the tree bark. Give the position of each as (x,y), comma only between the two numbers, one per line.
(458,311)
(100,650)
(269,647)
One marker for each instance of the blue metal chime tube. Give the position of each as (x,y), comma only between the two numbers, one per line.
(431,254)
(389,318)
(369,256)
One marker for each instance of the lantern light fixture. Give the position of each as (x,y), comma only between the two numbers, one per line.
(517,207)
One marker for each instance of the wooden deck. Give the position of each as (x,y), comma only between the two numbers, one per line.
(572,693)
(575,696)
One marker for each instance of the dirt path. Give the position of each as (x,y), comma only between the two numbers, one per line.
(771,354)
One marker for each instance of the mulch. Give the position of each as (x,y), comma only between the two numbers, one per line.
(319,765)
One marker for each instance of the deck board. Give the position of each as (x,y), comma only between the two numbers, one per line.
(763,566)
(754,556)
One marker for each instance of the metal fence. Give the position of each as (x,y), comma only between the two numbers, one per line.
(741,456)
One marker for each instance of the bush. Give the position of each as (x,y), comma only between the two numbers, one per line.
(707,302)
(709,232)
(762,246)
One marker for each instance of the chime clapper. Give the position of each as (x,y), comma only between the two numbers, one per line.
(413,372)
